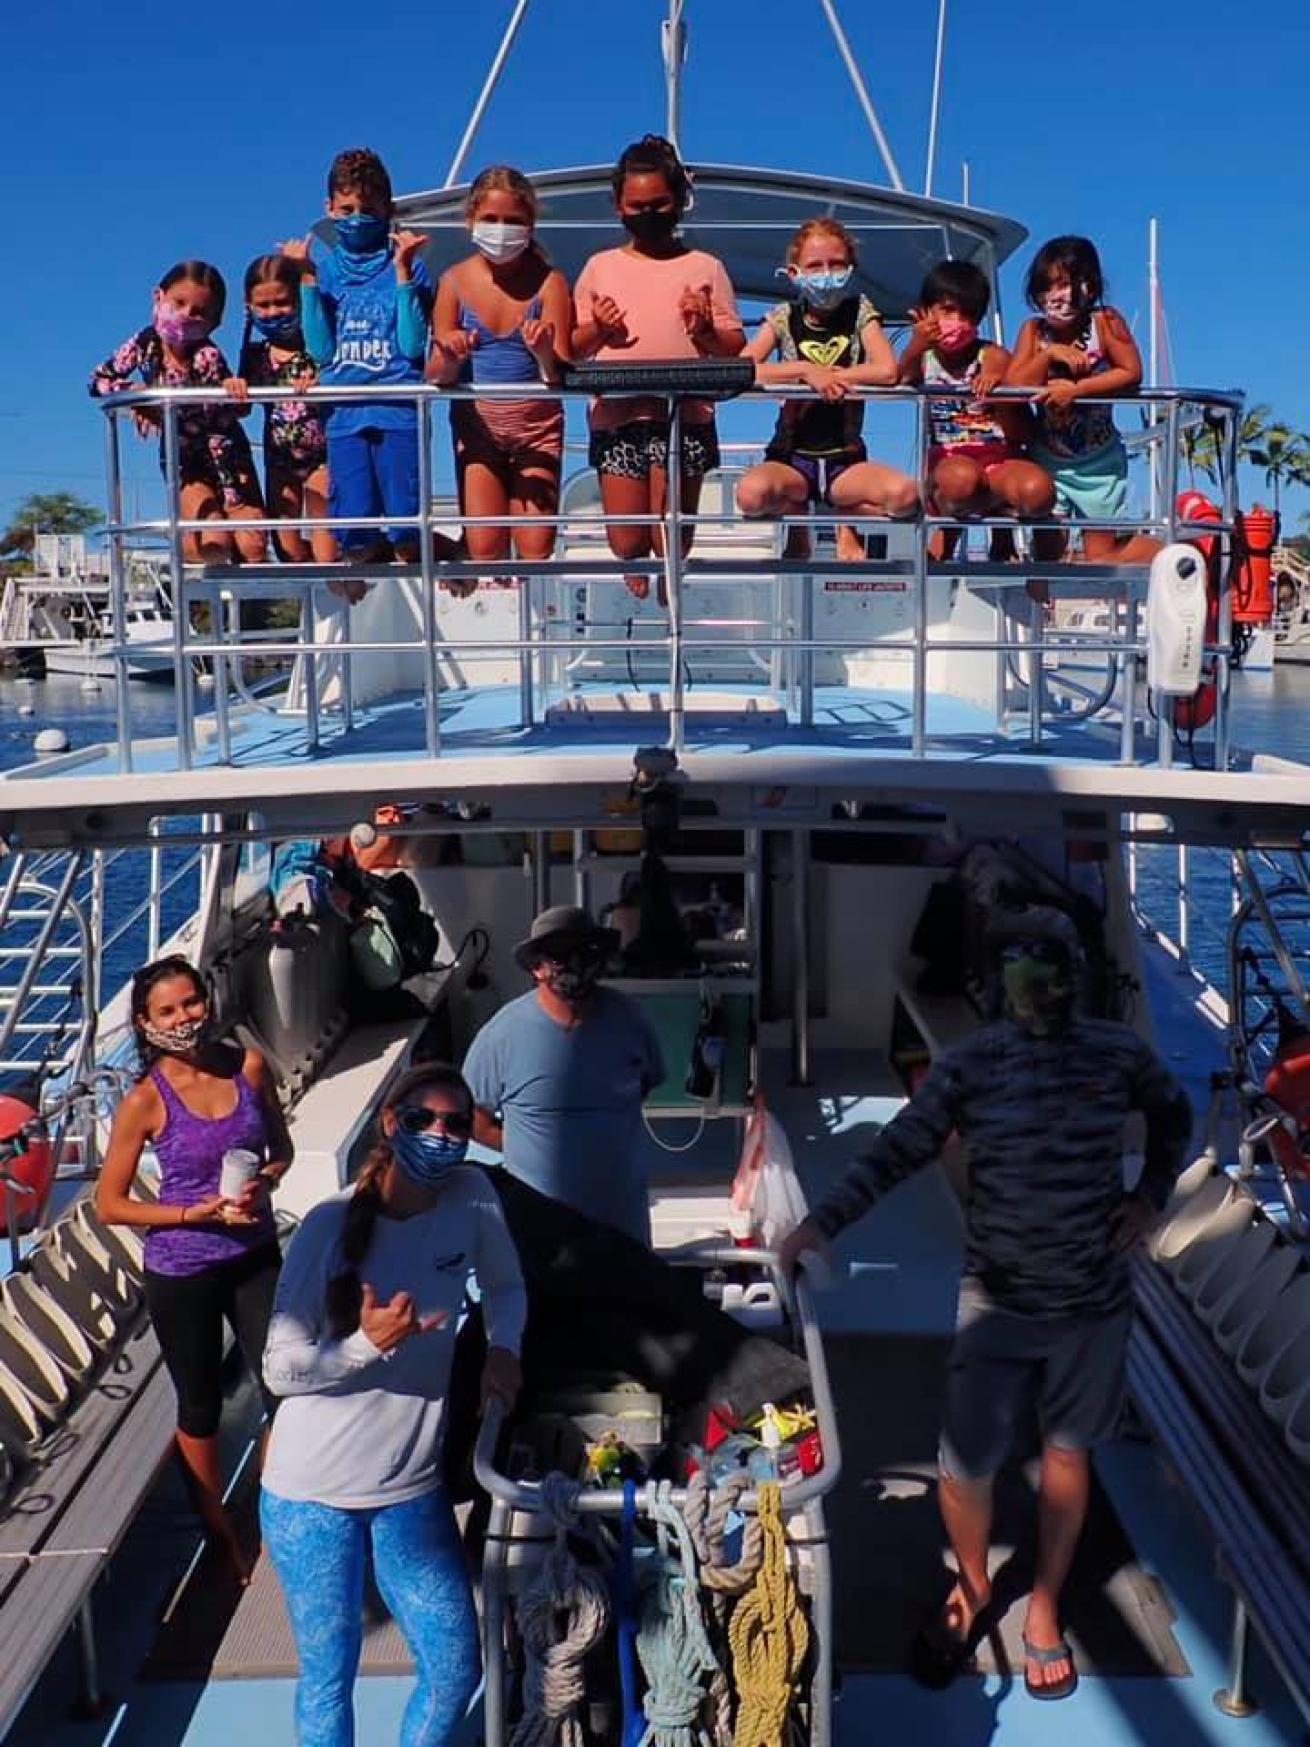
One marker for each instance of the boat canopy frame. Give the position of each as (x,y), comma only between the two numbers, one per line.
(744,214)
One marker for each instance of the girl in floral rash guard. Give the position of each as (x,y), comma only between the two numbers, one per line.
(217,479)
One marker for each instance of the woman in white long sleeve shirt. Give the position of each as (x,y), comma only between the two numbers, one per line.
(360,1349)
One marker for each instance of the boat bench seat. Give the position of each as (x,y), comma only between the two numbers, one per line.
(65,1517)
(940,1020)
(1249,1488)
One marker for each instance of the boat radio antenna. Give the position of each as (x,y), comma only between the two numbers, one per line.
(673,43)
(862,93)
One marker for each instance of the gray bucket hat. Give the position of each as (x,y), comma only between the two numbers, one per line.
(561,928)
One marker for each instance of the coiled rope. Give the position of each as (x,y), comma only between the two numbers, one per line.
(562,1614)
(768,1635)
(707,1509)
(672,1641)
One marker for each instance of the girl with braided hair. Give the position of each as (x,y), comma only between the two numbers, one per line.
(360,1350)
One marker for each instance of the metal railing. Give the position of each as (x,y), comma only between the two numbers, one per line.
(785,643)
(63,959)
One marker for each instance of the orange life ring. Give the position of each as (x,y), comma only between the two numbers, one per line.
(33,1166)
(1288,1083)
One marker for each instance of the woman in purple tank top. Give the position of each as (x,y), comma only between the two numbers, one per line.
(209,1258)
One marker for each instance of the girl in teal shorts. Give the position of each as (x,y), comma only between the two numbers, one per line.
(1074,349)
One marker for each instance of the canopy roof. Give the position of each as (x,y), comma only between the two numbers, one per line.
(745,216)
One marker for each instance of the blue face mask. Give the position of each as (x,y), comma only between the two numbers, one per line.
(362,233)
(822,290)
(427,1158)
(277,327)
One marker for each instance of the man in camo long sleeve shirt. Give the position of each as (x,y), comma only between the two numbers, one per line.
(1041,1099)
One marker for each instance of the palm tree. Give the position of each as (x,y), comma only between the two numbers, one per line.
(1283,454)
(1201,441)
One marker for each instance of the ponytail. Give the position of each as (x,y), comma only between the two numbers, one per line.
(653,153)
(344,1290)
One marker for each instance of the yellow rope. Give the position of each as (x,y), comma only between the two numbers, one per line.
(768,1636)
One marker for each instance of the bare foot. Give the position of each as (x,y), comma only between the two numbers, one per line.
(959,1612)
(638,586)
(850,544)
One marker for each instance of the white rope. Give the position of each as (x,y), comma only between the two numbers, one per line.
(562,1614)
(672,1642)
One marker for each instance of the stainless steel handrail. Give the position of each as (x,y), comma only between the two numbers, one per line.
(796,1493)
(681,635)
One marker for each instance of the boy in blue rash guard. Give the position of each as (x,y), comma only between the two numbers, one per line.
(365,315)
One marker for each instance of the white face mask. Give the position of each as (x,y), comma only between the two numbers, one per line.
(500,240)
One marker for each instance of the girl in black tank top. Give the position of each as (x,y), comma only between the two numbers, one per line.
(827,337)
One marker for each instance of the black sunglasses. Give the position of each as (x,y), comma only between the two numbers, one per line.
(417,1119)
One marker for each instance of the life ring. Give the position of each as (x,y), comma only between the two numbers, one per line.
(1288,1084)
(27,1157)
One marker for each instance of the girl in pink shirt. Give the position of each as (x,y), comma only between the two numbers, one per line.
(654,298)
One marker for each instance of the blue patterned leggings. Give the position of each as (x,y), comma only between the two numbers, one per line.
(318,1552)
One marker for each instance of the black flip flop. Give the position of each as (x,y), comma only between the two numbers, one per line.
(1044,1655)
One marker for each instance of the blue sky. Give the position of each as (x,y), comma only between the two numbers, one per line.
(140,132)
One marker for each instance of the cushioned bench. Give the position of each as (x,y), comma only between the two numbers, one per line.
(1251,1492)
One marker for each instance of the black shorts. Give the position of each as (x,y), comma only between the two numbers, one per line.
(188,1312)
(631,451)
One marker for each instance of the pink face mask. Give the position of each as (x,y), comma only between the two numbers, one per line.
(182,332)
(954,334)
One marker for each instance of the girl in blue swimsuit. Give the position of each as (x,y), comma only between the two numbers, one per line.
(504,316)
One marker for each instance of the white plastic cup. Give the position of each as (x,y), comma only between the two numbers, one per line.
(240,1168)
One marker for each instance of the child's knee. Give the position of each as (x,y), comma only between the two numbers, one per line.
(1035,493)
(253,546)
(955,480)
(628,542)
(535,544)
(488,544)
(902,496)
(754,496)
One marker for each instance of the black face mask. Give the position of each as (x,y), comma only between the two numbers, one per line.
(573,978)
(650,227)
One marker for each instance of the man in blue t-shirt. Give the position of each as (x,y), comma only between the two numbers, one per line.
(559,1075)
(365,313)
